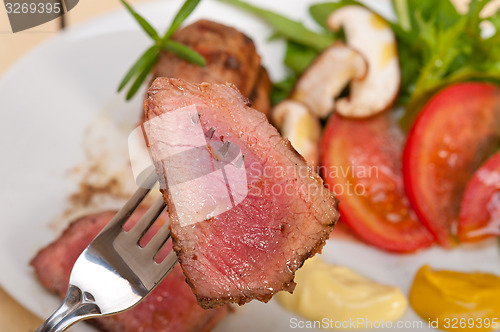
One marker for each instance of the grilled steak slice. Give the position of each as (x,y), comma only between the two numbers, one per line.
(259,98)
(279,214)
(230,55)
(170,307)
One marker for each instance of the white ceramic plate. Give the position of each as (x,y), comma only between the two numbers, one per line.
(53,95)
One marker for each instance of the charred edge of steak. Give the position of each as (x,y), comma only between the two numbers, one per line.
(235,61)
(260,95)
(289,286)
(180,87)
(210,303)
(336,201)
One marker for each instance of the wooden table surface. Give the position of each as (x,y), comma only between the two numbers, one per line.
(13,316)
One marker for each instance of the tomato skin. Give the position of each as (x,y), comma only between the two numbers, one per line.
(480,210)
(452,135)
(380,215)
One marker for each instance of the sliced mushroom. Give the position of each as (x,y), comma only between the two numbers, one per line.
(327,76)
(302,128)
(372,36)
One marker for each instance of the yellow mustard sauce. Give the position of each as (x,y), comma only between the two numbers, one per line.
(453,301)
(340,295)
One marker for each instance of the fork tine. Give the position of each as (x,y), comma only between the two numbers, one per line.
(158,240)
(164,268)
(168,263)
(131,205)
(127,272)
(147,220)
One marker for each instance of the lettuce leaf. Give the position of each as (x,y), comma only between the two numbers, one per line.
(437,46)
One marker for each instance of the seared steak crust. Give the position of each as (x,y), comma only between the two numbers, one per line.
(230,55)
(170,307)
(259,98)
(252,250)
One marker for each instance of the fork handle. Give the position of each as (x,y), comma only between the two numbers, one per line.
(77,306)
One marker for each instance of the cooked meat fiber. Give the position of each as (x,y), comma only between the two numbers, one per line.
(252,249)
(230,55)
(170,307)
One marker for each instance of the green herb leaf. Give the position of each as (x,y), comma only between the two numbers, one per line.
(142,22)
(298,57)
(402,13)
(282,89)
(184,52)
(495,20)
(409,12)
(274,36)
(441,47)
(142,76)
(290,29)
(139,65)
(473,15)
(141,68)
(181,16)
(439,56)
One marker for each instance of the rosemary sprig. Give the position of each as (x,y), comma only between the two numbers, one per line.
(143,66)
(184,52)
(142,22)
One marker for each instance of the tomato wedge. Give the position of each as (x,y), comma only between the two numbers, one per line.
(454,133)
(361,163)
(480,211)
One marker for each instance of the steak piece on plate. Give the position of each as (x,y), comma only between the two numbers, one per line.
(246,209)
(170,307)
(230,57)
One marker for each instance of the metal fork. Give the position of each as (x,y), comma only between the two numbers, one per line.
(114,272)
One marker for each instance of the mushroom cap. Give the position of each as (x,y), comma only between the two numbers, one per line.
(327,76)
(372,36)
(300,127)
